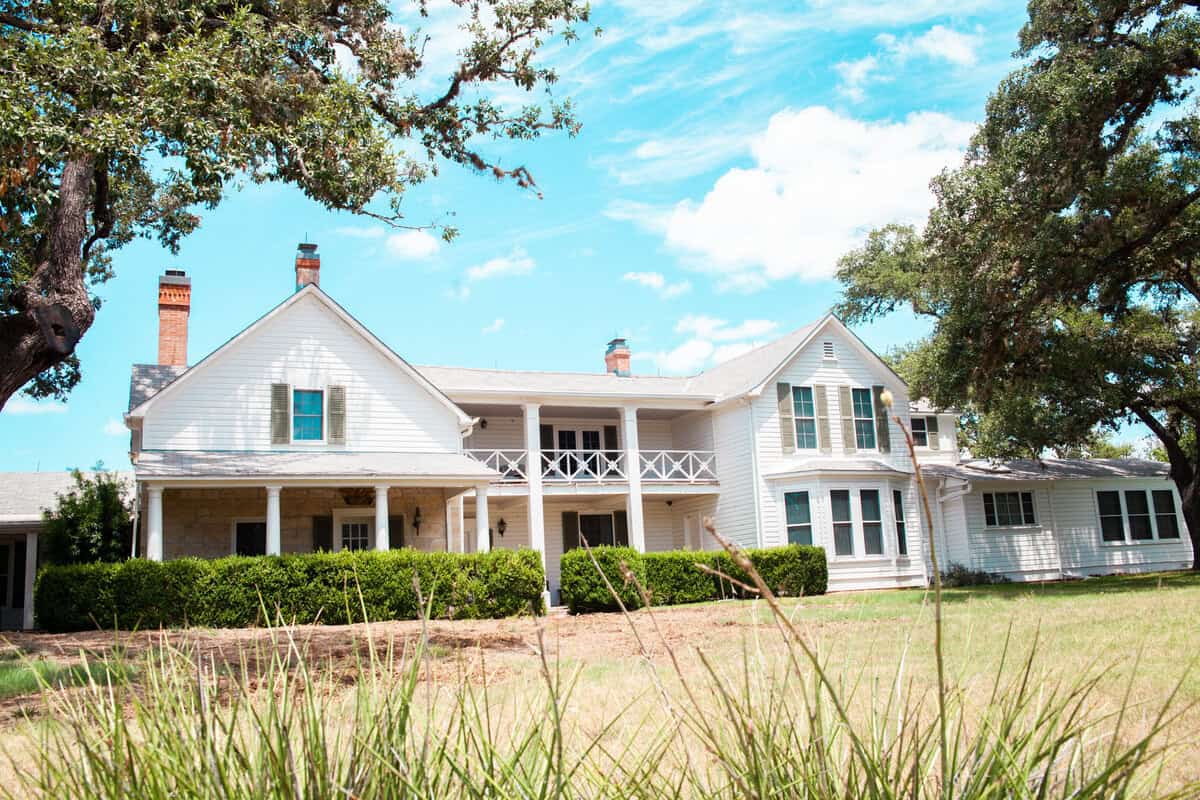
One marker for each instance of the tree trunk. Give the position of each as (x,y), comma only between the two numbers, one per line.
(53,307)
(1189,495)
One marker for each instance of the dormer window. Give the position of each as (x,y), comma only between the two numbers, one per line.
(827,348)
(308,415)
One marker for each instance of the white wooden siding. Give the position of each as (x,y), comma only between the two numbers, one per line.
(1020,551)
(227,404)
(508,433)
(735,516)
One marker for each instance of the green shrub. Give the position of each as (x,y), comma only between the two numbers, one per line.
(673,577)
(956,576)
(583,589)
(333,588)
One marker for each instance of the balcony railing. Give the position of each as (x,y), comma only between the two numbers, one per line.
(602,466)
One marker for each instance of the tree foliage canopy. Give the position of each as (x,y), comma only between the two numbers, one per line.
(124,118)
(1059,263)
(92,522)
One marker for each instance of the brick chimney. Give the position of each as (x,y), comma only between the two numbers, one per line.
(308,266)
(174,305)
(616,358)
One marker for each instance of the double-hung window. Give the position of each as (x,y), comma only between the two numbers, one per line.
(843,524)
(1008,509)
(308,415)
(806,417)
(872,521)
(1137,515)
(901,528)
(864,419)
(799,518)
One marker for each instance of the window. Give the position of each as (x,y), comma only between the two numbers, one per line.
(1112,524)
(356,535)
(308,415)
(843,528)
(872,522)
(901,532)
(250,538)
(920,434)
(864,419)
(1136,515)
(1164,514)
(1008,509)
(799,518)
(806,418)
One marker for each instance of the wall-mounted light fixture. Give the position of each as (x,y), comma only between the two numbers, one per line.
(502,526)
(483,424)
(417,520)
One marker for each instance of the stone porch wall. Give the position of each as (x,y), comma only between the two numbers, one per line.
(199,522)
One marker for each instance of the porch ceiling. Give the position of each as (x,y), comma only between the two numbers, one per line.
(446,469)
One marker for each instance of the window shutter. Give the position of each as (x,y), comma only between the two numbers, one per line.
(883,436)
(322,534)
(931,428)
(570,530)
(787,417)
(281,428)
(822,403)
(620,529)
(396,532)
(846,409)
(337,414)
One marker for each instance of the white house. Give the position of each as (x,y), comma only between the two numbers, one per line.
(306,431)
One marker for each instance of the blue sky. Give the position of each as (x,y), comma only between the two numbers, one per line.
(730,153)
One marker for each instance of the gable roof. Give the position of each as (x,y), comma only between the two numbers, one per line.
(1050,469)
(148,380)
(466,379)
(315,292)
(24,495)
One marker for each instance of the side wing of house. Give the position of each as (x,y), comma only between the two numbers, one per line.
(318,366)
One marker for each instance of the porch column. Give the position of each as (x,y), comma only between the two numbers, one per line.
(633,473)
(154,525)
(533,472)
(382,536)
(31,557)
(482,541)
(273,520)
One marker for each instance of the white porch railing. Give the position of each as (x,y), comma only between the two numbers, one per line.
(679,466)
(600,466)
(511,464)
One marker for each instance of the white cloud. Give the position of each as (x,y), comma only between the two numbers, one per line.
(667,159)
(687,358)
(644,215)
(517,262)
(718,330)
(20,404)
(413,245)
(855,74)
(657,282)
(939,43)
(358,232)
(820,181)
(114,427)
(710,341)
(495,327)
(728,351)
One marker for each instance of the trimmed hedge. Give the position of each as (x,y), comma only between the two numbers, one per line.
(325,587)
(672,577)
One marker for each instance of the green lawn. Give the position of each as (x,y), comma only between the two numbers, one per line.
(23,676)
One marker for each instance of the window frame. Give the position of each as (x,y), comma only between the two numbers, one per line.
(876,521)
(812,418)
(353,515)
(233,523)
(788,524)
(900,523)
(1153,514)
(324,392)
(854,550)
(1021,494)
(923,432)
(868,421)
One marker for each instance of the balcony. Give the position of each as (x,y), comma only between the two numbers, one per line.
(602,466)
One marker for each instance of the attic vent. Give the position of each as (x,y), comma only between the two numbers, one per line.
(828,349)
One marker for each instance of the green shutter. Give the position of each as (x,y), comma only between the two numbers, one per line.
(931,428)
(822,403)
(322,534)
(883,436)
(846,409)
(396,532)
(281,429)
(337,414)
(620,529)
(570,530)
(787,417)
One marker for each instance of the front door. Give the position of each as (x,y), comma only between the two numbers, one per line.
(691,532)
(591,446)
(356,534)
(566,462)
(597,529)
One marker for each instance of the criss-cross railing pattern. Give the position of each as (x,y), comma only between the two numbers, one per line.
(679,466)
(583,466)
(509,463)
